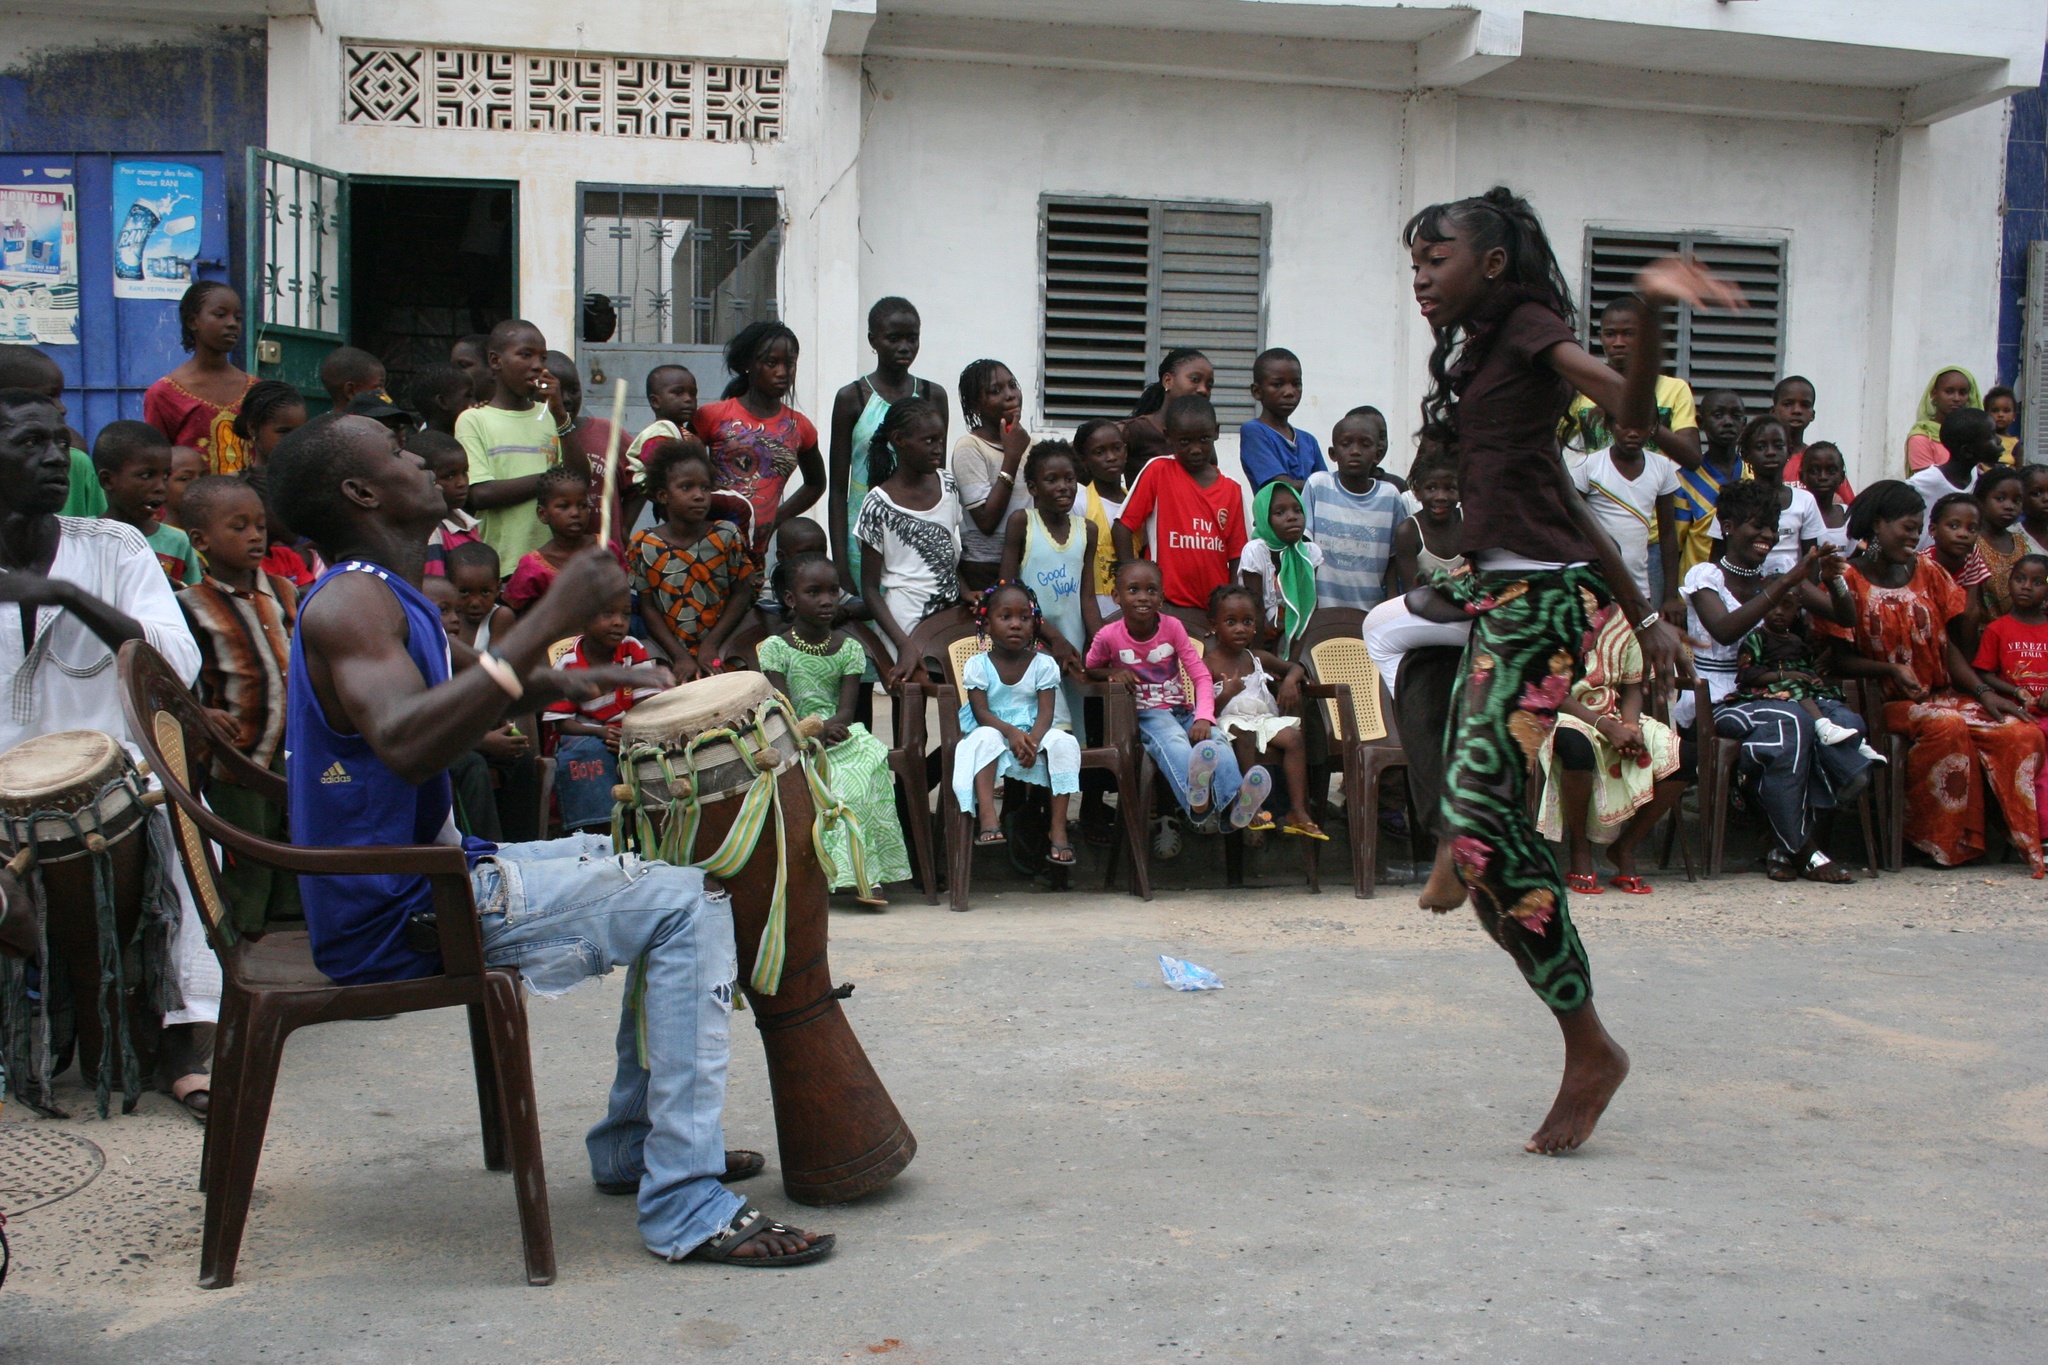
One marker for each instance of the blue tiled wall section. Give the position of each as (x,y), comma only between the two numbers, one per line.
(2026,217)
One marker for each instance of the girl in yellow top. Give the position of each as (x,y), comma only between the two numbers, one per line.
(1100,444)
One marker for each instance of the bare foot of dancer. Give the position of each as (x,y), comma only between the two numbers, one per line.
(1594,1068)
(1443,892)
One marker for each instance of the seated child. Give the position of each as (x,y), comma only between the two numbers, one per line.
(187,464)
(1778,661)
(561,499)
(695,575)
(1006,723)
(1151,653)
(1352,513)
(1951,537)
(242,619)
(1250,713)
(2002,406)
(820,670)
(1279,566)
(2012,658)
(1823,474)
(1426,543)
(1190,512)
(473,569)
(1051,551)
(1612,769)
(586,751)
(133,462)
(448,462)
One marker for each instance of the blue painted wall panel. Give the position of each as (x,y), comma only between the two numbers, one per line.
(202,101)
(2026,218)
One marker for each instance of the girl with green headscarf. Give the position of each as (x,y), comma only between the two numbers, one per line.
(1952,387)
(1280,563)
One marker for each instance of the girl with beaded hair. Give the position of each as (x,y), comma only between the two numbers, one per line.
(1013,723)
(1505,366)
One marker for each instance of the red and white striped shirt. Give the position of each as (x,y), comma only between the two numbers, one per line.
(605,707)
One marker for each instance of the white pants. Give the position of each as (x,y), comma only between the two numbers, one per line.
(1391,630)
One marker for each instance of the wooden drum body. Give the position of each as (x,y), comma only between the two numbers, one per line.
(839,1134)
(63,798)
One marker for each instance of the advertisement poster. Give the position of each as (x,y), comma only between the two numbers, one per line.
(156,228)
(38,265)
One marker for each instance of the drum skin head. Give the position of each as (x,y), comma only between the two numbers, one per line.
(691,708)
(64,761)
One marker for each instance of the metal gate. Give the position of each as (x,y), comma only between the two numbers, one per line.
(297,295)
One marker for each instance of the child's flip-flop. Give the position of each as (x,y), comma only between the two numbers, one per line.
(989,838)
(1585,883)
(1633,885)
(1258,785)
(1262,821)
(1306,831)
(1201,766)
(1060,855)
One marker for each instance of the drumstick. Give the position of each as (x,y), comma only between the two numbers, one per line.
(611,464)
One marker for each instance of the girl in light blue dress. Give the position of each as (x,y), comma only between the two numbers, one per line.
(1007,720)
(1050,551)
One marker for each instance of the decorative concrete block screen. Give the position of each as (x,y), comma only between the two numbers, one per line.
(397,86)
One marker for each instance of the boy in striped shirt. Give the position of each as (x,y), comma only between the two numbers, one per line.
(586,758)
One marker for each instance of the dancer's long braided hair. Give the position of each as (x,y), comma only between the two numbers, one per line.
(1498,218)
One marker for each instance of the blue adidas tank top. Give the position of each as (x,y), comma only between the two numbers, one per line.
(342,795)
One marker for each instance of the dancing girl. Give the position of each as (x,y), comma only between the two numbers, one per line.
(1506,364)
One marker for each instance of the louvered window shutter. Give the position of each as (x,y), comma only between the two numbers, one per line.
(1740,351)
(1127,280)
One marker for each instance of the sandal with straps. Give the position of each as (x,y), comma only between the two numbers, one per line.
(749,1223)
(1583,883)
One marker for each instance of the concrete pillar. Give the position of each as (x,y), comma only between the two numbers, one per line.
(1894,370)
(821,243)
(1429,172)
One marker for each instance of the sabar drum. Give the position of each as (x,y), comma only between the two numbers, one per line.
(718,774)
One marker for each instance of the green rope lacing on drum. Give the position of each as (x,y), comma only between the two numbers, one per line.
(21,832)
(674,840)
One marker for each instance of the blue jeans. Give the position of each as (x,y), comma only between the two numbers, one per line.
(1164,733)
(566,910)
(585,773)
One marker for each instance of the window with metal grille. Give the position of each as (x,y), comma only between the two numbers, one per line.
(1740,351)
(679,266)
(1128,280)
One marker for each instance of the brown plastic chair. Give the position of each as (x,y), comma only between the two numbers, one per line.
(1117,754)
(271,986)
(1360,718)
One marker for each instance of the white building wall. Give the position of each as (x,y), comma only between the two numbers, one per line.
(958,155)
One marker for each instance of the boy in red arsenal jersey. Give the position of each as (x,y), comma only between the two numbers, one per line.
(1195,510)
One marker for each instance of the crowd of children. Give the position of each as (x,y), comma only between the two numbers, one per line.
(1124,555)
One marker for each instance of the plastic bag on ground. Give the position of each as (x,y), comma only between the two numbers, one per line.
(1187,976)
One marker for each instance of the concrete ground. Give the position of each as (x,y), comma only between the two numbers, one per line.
(1831,1148)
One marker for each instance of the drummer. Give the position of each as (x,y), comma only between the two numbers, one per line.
(72,591)
(373,720)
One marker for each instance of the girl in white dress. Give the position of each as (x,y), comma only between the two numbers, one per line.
(1007,720)
(1257,719)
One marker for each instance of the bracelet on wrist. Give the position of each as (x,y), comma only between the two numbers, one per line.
(1652,619)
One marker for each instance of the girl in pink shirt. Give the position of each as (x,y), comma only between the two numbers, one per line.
(1153,655)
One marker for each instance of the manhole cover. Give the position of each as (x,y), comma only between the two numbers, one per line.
(39,1166)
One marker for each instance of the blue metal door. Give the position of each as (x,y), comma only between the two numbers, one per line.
(125,343)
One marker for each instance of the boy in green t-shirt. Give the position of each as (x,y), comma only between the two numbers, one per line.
(24,367)
(515,438)
(133,461)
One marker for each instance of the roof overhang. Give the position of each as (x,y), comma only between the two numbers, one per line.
(1902,62)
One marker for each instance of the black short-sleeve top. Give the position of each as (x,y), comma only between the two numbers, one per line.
(1509,407)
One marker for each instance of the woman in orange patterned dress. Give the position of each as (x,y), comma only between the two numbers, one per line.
(1908,609)
(195,405)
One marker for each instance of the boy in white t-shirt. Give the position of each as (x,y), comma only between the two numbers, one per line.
(1630,488)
